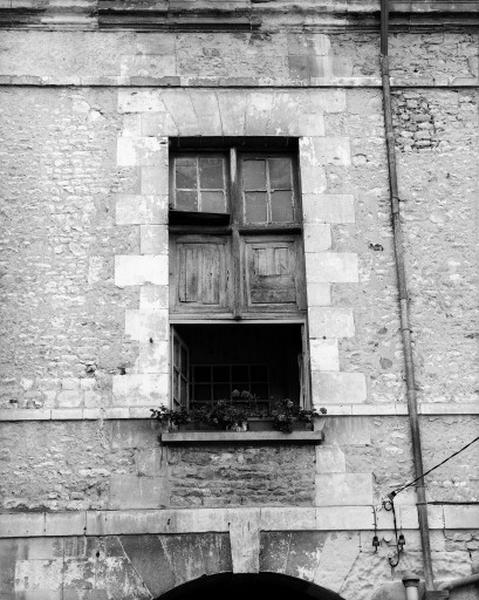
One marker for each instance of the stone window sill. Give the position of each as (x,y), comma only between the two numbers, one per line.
(246,437)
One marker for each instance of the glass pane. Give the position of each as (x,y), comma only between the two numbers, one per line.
(202,392)
(183,391)
(221,374)
(280,173)
(184,362)
(211,173)
(221,391)
(255,207)
(186,200)
(254,175)
(185,173)
(202,374)
(282,206)
(214,202)
(240,374)
(259,373)
(260,390)
(176,385)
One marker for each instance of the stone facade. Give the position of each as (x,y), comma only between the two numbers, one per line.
(93,504)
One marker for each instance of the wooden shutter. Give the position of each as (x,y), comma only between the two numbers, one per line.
(200,279)
(273,274)
(180,372)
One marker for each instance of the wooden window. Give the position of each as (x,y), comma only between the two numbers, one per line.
(236,249)
(199,183)
(268,190)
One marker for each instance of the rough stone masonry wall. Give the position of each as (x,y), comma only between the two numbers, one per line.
(62,322)
(70,208)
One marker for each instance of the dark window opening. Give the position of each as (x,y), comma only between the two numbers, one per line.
(253,365)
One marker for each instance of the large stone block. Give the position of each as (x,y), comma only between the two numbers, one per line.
(131,491)
(338,555)
(147,326)
(154,180)
(39,579)
(232,105)
(140,389)
(141,269)
(205,103)
(245,541)
(330,322)
(178,103)
(328,208)
(144,151)
(153,239)
(331,267)
(153,357)
(151,462)
(21,524)
(330,459)
(324,355)
(141,209)
(317,237)
(347,430)
(153,297)
(344,489)
(338,387)
(461,517)
(134,101)
(159,123)
(319,294)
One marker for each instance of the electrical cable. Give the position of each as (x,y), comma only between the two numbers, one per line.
(394,493)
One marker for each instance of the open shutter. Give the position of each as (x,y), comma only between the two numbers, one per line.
(201,278)
(272,274)
(180,372)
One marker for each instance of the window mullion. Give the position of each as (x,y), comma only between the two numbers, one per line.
(236,241)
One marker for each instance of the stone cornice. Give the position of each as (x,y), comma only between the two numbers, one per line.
(234,15)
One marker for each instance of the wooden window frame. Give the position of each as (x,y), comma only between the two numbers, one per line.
(238,231)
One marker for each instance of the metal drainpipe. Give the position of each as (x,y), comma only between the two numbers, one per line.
(403,300)
(462,581)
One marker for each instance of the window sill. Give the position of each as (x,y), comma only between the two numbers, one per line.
(247,437)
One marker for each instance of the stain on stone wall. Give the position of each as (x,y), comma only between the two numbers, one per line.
(102,568)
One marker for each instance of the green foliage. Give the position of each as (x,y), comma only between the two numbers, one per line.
(228,415)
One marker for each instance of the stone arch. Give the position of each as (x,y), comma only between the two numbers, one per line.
(249,586)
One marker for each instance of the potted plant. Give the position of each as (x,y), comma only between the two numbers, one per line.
(228,416)
(286,414)
(171,418)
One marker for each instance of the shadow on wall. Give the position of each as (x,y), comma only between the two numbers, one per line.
(229,586)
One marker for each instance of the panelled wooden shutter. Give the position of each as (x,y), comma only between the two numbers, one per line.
(273,273)
(201,274)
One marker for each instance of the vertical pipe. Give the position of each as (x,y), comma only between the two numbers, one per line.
(411,584)
(403,301)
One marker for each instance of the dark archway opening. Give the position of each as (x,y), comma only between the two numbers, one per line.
(261,586)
